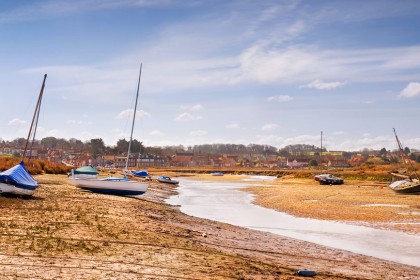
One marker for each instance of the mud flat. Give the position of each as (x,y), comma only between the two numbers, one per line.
(65,233)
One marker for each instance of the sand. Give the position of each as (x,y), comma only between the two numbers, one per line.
(65,233)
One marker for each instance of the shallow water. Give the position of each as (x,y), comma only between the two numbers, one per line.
(222,201)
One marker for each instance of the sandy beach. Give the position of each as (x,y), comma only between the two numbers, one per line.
(65,233)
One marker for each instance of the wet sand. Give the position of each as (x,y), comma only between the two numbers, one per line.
(66,233)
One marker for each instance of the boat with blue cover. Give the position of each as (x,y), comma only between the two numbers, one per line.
(141,173)
(17,180)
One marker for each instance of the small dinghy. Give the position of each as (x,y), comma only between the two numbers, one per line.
(167,180)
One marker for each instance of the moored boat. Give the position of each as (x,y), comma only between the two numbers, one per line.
(85,172)
(17,180)
(114,185)
(141,173)
(407,185)
(111,185)
(167,180)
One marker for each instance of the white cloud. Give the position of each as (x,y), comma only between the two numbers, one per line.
(157,133)
(269,127)
(78,122)
(16,121)
(198,133)
(321,85)
(196,107)
(187,117)
(232,126)
(280,98)
(54,133)
(411,90)
(336,133)
(129,114)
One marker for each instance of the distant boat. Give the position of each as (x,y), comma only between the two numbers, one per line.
(407,185)
(85,172)
(141,173)
(217,174)
(18,180)
(114,185)
(167,180)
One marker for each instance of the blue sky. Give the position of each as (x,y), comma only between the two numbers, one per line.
(241,72)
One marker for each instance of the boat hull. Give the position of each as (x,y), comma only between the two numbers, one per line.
(111,186)
(7,188)
(406,186)
(172,182)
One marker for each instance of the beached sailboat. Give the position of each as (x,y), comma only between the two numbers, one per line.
(408,185)
(114,185)
(18,180)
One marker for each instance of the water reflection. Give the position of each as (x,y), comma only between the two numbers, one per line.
(222,201)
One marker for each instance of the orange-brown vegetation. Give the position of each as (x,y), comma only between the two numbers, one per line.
(35,166)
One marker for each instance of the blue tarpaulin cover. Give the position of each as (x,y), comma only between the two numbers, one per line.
(141,173)
(19,177)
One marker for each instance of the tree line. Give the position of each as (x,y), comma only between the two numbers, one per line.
(97,148)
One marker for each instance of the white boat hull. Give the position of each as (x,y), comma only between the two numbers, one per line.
(406,186)
(111,186)
(7,188)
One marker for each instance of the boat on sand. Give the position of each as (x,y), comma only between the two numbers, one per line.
(114,185)
(17,180)
(411,183)
(167,180)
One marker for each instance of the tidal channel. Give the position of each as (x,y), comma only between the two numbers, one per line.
(224,202)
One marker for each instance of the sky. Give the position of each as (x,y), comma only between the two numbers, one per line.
(214,71)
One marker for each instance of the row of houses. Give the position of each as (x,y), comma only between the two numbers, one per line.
(184,159)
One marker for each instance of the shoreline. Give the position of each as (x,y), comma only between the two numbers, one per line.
(68,233)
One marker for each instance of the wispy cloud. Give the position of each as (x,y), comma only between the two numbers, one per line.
(130,112)
(280,98)
(79,122)
(58,8)
(196,107)
(321,85)
(269,127)
(157,133)
(198,133)
(411,90)
(232,126)
(187,117)
(16,121)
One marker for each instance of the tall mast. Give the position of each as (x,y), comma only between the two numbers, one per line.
(403,155)
(320,154)
(134,118)
(32,129)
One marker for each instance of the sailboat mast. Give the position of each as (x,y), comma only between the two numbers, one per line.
(134,118)
(34,120)
(403,155)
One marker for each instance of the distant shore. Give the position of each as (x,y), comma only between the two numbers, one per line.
(72,234)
